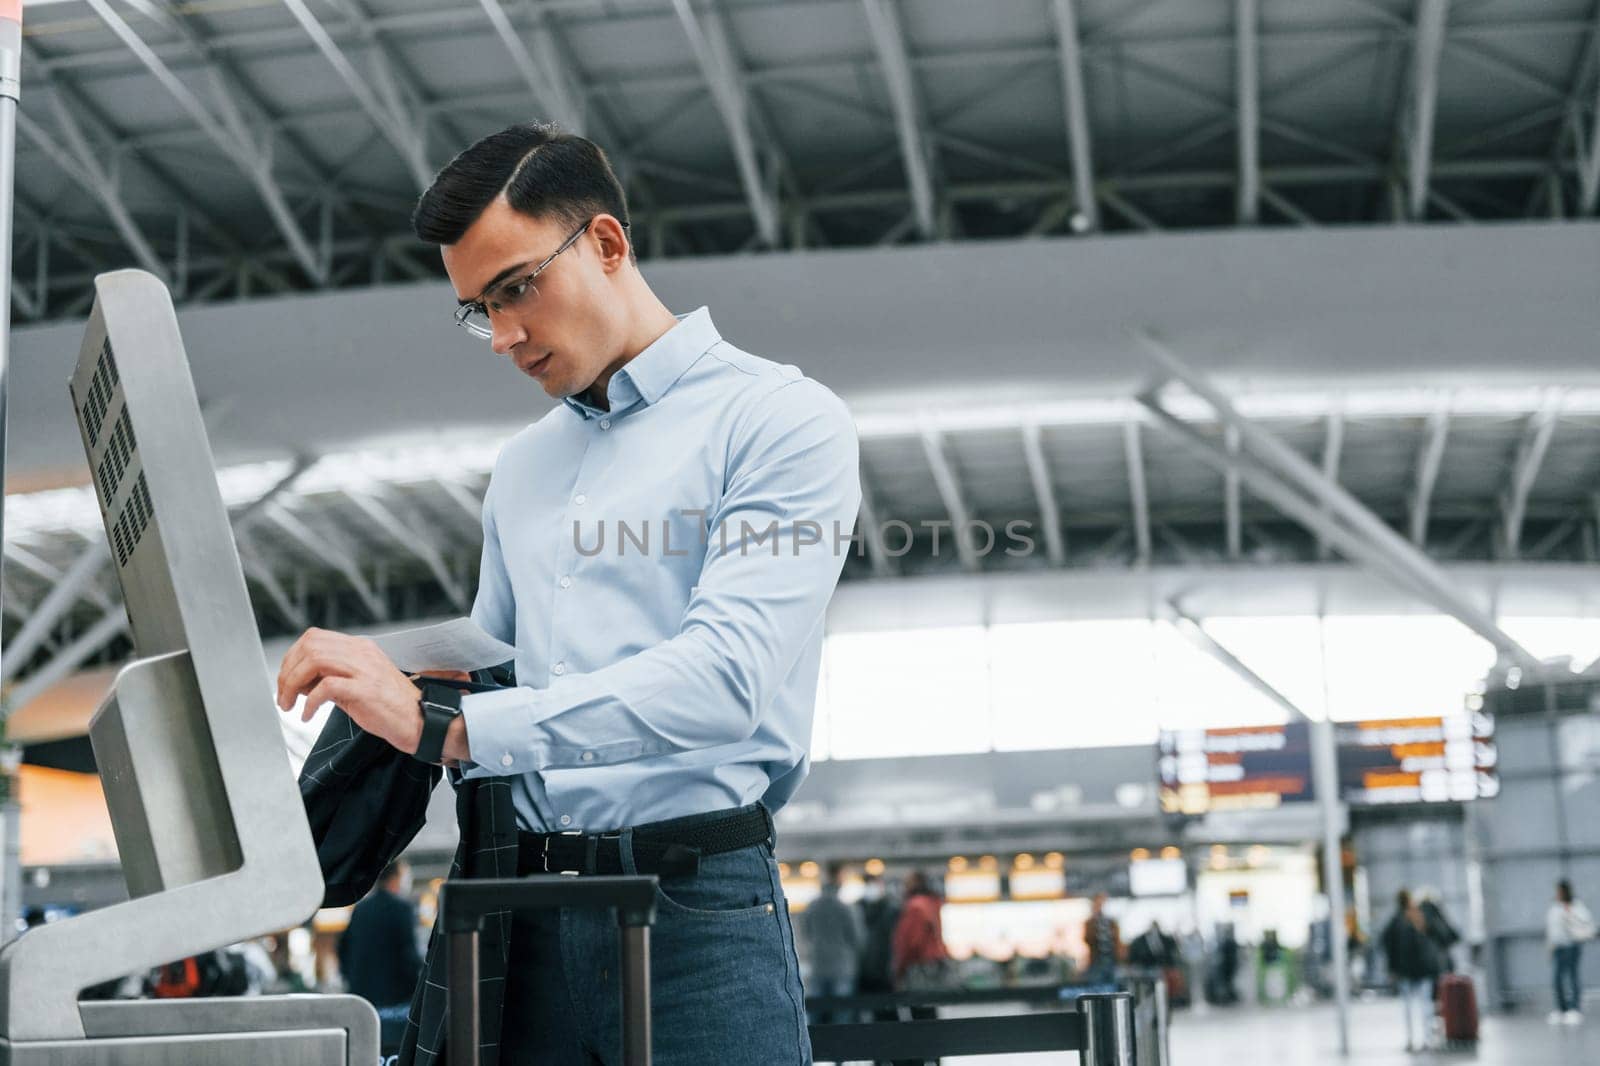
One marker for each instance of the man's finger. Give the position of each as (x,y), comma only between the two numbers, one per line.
(310,670)
(293,660)
(328,690)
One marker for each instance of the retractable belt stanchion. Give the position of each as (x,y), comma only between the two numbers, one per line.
(463,906)
(1099,1026)
(1108,1029)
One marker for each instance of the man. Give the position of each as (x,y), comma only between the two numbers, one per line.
(1153,948)
(378,955)
(834,935)
(660,548)
(1568,924)
(1414,964)
(1104,940)
(879,914)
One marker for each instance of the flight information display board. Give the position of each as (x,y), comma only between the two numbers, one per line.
(1247,768)
(1447,759)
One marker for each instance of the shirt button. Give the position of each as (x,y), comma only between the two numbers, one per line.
(588,756)
(506,759)
(566,819)
(558,669)
(566,582)
(580,499)
(605,423)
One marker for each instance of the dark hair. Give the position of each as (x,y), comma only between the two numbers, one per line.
(1564,890)
(835,871)
(917,884)
(391,871)
(543,172)
(1402,899)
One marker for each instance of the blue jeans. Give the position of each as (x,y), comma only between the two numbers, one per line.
(1569,993)
(724,978)
(1416,1000)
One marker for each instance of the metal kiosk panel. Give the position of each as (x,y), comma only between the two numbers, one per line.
(214,842)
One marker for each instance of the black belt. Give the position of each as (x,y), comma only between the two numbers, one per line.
(672,848)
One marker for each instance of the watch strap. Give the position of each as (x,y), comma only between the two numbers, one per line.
(440,705)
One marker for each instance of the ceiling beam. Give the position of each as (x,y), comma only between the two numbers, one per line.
(1138,493)
(549,82)
(230,132)
(1427,50)
(462,497)
(257,570)
(331,555)
(421,544)
(1429,460)
(708,38)
(944,477)
(1194,631)
(403,130)
(1536,435)
(1247,79)
(1077,112)
(61,665)
(1231,502)
(1281,475)
(83,574)
(82,164)
(871,523)
(889,41)
(1589,174)
(1044,492)
(51,574)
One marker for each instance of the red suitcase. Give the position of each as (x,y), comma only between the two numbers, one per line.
(1458,1006)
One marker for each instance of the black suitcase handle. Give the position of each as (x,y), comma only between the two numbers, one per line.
(463,905)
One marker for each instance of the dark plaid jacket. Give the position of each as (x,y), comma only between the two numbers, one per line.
(365,802)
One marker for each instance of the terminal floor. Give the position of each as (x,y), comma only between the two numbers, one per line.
(1306,1037)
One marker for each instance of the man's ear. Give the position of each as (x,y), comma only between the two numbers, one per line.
(612,241)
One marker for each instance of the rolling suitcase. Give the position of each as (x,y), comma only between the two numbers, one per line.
(1458,1006)
(463,905)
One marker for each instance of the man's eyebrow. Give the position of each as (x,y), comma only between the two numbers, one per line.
(497,279)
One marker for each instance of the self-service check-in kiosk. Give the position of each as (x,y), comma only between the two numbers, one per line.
(209,823)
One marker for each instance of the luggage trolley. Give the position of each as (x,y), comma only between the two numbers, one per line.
(209,824)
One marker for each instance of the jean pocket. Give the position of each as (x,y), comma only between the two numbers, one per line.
(729,887)
(667,905)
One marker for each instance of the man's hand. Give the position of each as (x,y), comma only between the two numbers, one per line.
(353,672)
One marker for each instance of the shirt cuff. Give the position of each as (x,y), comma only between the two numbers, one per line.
(499,728)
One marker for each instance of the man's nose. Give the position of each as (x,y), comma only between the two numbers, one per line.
(507,335)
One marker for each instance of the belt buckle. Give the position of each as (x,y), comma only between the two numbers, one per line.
(544,853)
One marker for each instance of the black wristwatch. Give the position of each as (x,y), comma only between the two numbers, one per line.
(441,705)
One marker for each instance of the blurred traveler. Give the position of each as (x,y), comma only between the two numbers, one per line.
(879,915)
(1414,964)
(834,934)
(920,959)
(1567,925)
(1225,978)
(378,949)
(1104,939)
(921,962)
(1153,948)
(1440,931)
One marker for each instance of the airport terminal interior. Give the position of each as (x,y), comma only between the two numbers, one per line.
(1212,675)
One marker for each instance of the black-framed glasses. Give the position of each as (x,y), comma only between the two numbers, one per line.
(514,295)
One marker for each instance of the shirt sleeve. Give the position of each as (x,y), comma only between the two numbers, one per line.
(774,548)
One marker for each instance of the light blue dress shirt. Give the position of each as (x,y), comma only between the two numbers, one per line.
(663,569)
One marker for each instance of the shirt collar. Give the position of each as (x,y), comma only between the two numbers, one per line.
(649,375)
